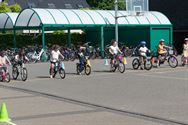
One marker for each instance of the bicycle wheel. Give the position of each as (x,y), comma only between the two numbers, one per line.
(113,67)
(135,63)
(121,67)
(87,70)
(62,73)
(148,64)
(72,58)
(172,61)
(15,72)
(24,74)
(7,79)
(78,69)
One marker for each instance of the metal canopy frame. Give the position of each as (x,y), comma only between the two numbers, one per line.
(54,19)
(7,24)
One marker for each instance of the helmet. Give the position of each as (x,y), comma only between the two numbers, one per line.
(161,41)
(143,43)
(186,39)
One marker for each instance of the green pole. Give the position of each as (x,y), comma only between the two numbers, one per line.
(102,41)
(43,37)
(171,36)
(69,38)
(14,39)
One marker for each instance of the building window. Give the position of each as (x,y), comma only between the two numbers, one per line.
(51,6)
(68,6)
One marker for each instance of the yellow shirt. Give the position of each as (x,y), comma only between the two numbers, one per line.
(161,49)
(185,50)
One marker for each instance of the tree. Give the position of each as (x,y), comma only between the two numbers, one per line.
(15,8)
(106,4)
(4,8)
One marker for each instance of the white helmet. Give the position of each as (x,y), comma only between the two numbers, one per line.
(186,39)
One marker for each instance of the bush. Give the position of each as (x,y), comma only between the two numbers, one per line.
(24,40)
(15,8)
(4,8)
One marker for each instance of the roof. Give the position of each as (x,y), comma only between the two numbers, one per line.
(55,4)
(61,17)
(7,20)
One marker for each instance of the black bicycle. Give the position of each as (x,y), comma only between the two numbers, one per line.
(147,64)
(19,68)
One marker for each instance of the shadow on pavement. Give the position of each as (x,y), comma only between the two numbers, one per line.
(43,77)
(54,115)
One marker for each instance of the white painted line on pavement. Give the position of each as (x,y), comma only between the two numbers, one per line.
(11,123)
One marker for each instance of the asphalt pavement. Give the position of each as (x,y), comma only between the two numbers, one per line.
(136,97)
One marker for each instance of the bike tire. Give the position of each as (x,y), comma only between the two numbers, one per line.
(24,74)
(135,63)
(87,70)
(7,79)
(15,72)
(172,61)
(148,65)
(73,58)
(62,73)
(113,67)
(121,67)
(78,70)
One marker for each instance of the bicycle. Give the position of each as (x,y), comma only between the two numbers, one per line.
(36,56)
(170,57)
(58,67)
(117,62)
(83,65)
(4,75)
(19,68)
(136,63)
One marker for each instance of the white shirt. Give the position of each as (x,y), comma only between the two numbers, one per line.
(55,56)
(115,49)
(143,51)
(3,60)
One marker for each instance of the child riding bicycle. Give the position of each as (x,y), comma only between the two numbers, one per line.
(21,57)
(114,50)
(162,51)
(142,53)
(185,51)
(55,53)
(3,62)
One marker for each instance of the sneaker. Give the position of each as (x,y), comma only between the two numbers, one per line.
(51,76)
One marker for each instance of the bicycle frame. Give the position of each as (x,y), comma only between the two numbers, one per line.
(37,56)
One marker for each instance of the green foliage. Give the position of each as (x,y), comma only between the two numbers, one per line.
(4,8)
(84,8)
(24,40)
(106,4)
(59,32)
(15,8)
